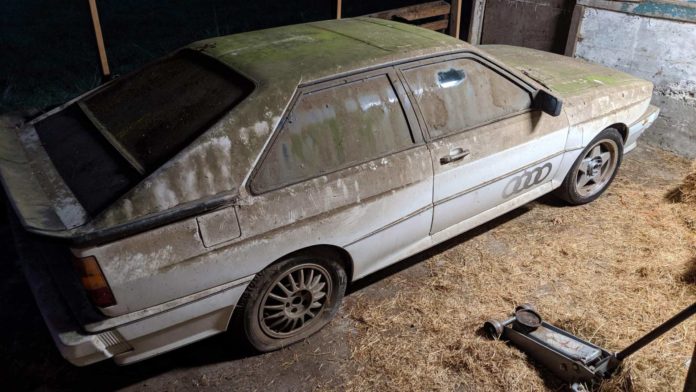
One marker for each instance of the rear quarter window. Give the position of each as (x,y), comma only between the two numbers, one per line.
(335,128)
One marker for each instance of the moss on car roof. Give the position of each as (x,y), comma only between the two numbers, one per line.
(314,51)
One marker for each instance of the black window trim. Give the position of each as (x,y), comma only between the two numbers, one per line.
(415,129)
(524,85)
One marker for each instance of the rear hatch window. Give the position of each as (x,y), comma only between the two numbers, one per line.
(105,144)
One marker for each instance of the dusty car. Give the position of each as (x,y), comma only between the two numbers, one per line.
(245,181)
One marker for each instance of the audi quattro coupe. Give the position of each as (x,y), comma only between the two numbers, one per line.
(243,182)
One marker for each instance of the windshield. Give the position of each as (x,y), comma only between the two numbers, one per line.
(154,113)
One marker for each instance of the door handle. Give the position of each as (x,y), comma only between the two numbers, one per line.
(454,155)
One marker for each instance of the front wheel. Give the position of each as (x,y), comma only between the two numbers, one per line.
(594,170)
(291,300)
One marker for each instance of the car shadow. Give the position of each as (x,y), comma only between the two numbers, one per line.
(29,359)
(551,200)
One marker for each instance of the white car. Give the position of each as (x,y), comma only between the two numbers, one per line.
(245,181)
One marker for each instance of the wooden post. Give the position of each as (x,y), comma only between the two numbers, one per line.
(478,8)
(575,22)
(100,39)
(455,18)
(338,9)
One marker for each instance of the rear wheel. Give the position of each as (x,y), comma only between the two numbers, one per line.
(594,170)
(291,300)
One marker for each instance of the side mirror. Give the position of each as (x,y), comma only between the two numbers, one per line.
(548,103)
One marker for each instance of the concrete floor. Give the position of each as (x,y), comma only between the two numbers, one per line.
(29,361)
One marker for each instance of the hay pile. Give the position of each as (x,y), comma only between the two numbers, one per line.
(608,272)
(686,191)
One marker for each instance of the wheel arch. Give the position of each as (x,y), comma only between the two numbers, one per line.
(340,253)
(622,128)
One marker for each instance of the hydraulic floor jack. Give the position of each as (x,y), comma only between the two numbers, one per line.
(570,358)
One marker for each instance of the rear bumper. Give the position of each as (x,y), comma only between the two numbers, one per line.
(127,338)
(149,336)
(636,129)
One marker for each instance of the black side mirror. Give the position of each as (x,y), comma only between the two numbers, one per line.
(548,103)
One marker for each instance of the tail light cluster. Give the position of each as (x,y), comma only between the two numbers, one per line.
(94,282)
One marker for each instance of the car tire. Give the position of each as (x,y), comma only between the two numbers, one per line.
(594,170)
(290,300)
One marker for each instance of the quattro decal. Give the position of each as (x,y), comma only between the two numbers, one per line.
(527,179)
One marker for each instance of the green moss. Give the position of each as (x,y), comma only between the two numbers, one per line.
(314,50)
(584,82)
(296,146)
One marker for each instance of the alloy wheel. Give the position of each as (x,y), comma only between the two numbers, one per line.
(597,168)
(294,300)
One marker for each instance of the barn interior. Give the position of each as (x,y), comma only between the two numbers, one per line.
(609,271)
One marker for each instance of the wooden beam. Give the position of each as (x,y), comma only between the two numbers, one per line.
(423,11)
(575,22)
(338,9)
(414,12)
(455,18)
(100,39)
(478,8)
(436,25)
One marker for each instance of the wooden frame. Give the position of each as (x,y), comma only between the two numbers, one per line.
(478,8)
(575,22)
(455,18)
(106,72)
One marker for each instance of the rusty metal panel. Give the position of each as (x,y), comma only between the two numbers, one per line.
(538,24)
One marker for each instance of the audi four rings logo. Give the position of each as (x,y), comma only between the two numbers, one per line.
(527,179)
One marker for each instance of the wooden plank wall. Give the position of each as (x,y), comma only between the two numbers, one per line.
(434,15)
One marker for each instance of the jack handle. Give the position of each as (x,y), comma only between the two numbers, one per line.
(657,332)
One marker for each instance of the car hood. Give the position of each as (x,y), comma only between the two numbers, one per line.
(563,75)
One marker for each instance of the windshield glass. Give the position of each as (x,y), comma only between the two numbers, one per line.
(154,113)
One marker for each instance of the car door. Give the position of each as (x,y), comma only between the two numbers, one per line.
(488,145)
(348,166)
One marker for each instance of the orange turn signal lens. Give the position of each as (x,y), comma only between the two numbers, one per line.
(94,282)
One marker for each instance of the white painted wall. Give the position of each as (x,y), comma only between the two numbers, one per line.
(660,50)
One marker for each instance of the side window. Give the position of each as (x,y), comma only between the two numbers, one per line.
(460,94)
(335,128)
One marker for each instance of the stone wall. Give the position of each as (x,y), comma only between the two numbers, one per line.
(656,41)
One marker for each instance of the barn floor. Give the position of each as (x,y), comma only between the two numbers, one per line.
(608,271)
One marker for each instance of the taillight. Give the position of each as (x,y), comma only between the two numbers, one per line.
(94,281)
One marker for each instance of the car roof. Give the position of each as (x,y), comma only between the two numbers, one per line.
(277,60)
(318,50)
